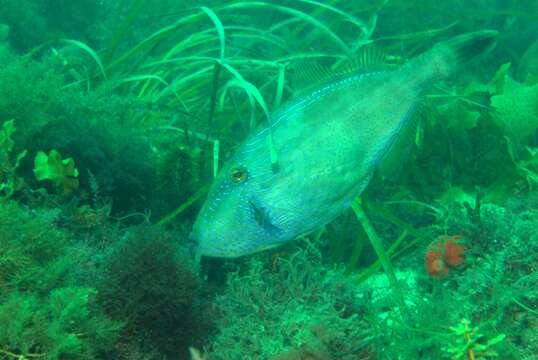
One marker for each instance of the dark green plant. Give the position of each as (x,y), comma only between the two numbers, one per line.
(29,93)
(36,21)
(27,23)
(53,117)
(147,280)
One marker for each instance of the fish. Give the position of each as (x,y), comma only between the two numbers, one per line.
(329,141)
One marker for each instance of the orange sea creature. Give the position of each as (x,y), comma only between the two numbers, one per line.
(445,251)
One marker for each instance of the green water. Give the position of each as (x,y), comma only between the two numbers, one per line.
(115,116)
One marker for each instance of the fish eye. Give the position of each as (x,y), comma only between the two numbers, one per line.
(239,175)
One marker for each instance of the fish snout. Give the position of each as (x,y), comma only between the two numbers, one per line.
(212,240)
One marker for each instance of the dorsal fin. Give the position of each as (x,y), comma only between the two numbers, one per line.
(307,74)
(368,58)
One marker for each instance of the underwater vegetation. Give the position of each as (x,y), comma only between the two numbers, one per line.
(307,310)
(158,304)
(116,116)
(44,312)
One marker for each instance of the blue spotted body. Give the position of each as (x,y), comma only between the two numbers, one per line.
(329,143)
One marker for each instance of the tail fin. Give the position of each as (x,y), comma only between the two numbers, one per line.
(470,46)
(448,56)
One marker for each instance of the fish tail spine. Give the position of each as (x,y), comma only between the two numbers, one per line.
(447,57)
